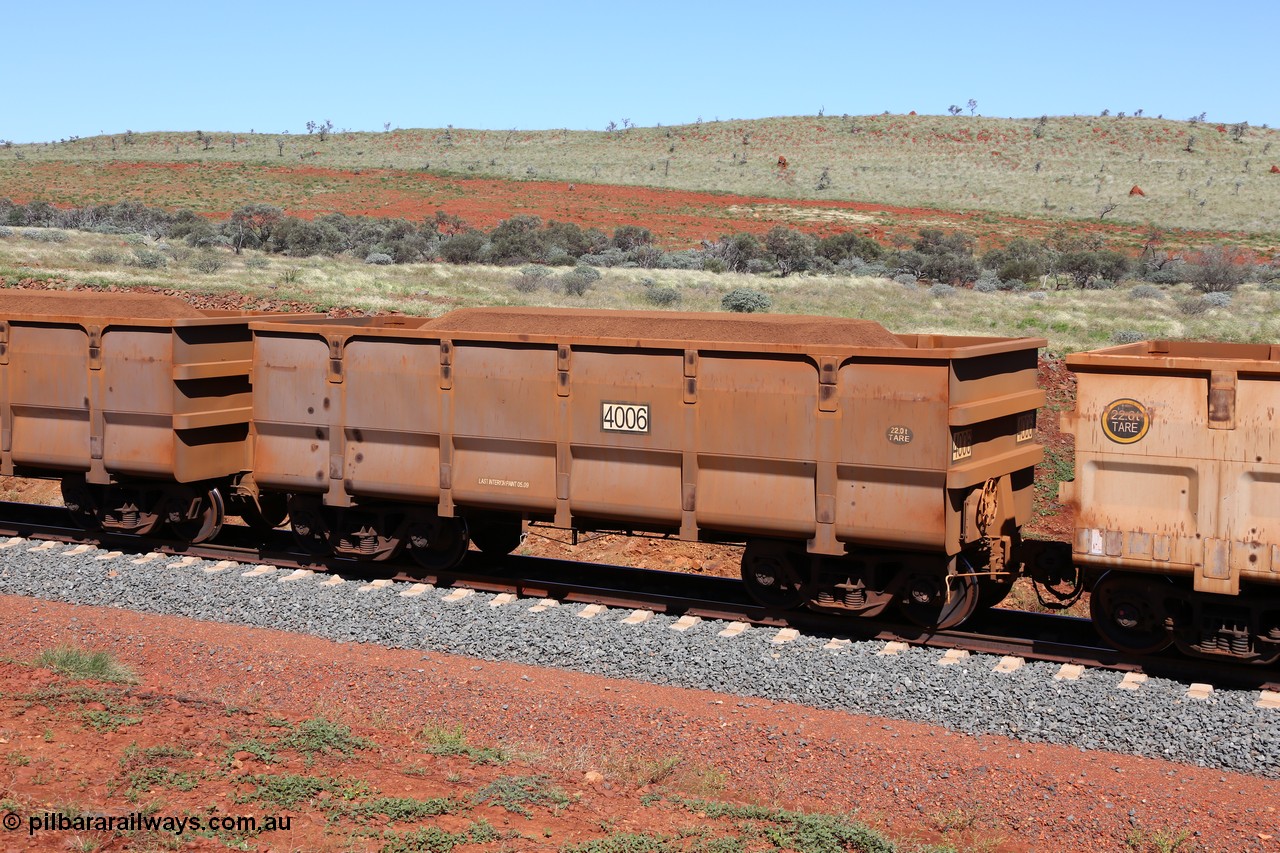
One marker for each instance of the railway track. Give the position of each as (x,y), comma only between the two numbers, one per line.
(1013,634)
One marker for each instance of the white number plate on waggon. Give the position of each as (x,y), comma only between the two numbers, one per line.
(624,417)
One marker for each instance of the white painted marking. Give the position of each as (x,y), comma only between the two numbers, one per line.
(332,580)
(684,623)
(591,611)
(502,598)
(893,647)
(147,558)
(1009,663)
(786,635)
(1199,690)
(220,566)
(953,656)
(380,583)
(48,545)
(638,617)
(415,590)
(1132,681)
(1268,699)
(296,575)
(77,551)
(838,645)
(183,563)
(459,594)
(110,555)
(1069,672)
(1095,543)
(259,571)
(543,605)
(734,629)
(13,542)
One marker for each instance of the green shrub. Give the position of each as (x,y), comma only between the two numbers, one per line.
(579,280)
(148,258)
(103,255)
(208,263)
(1127,336)
(745,301)
(1219,269)
(380,259)
(45,235)
(257,262)
(531,278)
(465,248)
(662,296)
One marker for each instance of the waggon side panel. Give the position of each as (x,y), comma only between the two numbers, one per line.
(1178,463)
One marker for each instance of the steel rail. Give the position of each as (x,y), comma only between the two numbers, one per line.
(1031,636)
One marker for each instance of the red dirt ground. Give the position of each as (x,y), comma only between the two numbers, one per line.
(677,218)
(206,690)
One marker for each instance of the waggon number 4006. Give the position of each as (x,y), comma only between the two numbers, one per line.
(624,417)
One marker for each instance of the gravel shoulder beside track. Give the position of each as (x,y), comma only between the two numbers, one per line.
(1225,731)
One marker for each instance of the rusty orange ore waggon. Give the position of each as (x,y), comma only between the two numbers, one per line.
(861,468)
(139,403)
(1177,495)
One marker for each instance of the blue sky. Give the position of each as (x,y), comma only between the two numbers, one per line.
(83,68)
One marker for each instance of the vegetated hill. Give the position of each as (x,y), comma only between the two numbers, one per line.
(1194,175)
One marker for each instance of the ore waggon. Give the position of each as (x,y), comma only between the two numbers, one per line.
(1177,496)
(138,403)
(862,470)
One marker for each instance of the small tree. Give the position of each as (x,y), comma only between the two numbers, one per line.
(1219,269)
(252,225)
(790,250)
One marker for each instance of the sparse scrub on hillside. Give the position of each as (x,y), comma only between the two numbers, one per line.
(906,161)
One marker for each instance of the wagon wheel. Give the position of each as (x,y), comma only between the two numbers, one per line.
(194,517)
(309,526)
(439,544)
(940,597)
(771,571)
(496,537)
(264,513)
(994,590)
(1125,616)
(78,498)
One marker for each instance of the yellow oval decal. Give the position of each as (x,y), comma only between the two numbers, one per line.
(1125,421)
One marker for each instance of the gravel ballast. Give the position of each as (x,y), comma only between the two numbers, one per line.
(1158,720)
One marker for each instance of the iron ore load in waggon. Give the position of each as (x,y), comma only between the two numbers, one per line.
(862,469)
(1177,496)
(138,403)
